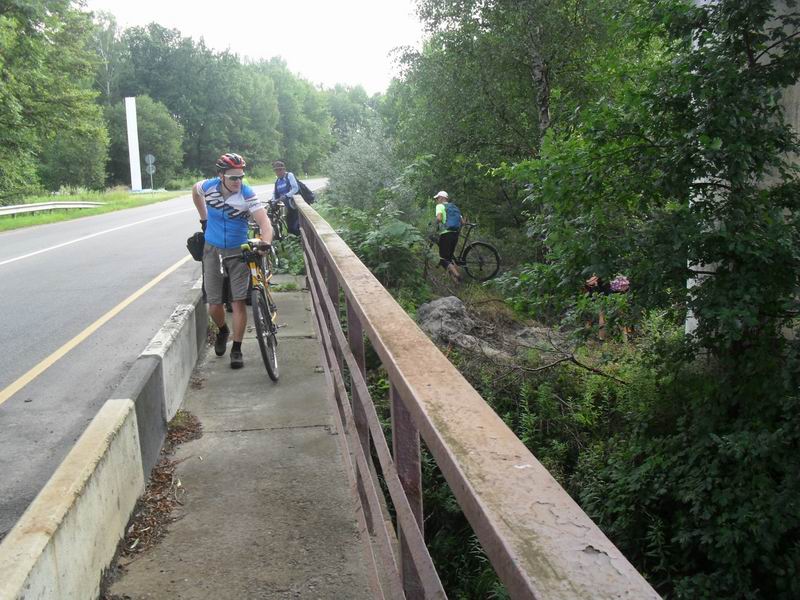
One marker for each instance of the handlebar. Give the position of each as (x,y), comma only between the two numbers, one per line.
(255,250)
(256,244)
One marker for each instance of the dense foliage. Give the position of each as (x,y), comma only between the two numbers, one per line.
(650,139)
(46,98)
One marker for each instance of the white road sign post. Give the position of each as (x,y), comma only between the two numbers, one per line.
(133,144)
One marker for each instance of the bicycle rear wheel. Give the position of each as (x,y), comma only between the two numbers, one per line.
(265,332)
(279,226)
(481,261)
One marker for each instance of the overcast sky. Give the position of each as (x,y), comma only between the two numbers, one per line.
(351,40)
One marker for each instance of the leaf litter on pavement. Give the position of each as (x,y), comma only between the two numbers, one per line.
(163,494)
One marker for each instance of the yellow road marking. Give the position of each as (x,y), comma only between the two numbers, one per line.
(50,360)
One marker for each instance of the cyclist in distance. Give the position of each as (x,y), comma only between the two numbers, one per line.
(449,221)
(285,189)
(225,204)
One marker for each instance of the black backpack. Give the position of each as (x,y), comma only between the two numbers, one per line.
(305,192)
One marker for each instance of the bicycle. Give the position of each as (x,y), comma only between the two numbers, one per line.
(257,255)
(479,259)
(276,216)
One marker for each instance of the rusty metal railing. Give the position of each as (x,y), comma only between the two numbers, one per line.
(541,544)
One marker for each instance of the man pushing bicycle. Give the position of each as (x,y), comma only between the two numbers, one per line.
(225,204)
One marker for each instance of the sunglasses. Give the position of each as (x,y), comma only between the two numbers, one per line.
(234,177)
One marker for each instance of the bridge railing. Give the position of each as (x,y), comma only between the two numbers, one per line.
(541,544)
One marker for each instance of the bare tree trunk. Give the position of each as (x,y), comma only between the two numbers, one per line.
(540,73)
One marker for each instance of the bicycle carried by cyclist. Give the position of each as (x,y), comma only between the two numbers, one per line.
(480,260)
(259,256)
(277,216)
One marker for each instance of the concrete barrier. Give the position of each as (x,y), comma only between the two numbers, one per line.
(195,298)
(143,385)
(69,534)
(157,380)
(176,346)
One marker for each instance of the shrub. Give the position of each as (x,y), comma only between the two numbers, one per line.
(385,244)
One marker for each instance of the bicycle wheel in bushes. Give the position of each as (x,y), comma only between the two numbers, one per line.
(481,261)
(265,333)
(280,229)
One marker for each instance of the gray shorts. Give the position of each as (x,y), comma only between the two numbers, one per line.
(232,265)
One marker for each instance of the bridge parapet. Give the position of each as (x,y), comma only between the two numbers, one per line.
(541,544)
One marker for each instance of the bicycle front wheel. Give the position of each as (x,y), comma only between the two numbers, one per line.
(265,332)
(481,261)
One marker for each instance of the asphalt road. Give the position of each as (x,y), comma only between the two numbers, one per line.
(55,282)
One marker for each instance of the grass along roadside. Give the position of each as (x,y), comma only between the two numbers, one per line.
(112,200)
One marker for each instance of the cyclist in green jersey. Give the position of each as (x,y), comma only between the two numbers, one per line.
(449,220)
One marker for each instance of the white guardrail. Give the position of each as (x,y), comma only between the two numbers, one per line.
(39,206)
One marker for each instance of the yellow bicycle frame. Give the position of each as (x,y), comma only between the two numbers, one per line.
(258,277)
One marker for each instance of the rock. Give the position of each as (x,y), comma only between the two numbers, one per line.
(447,323)
(444,319)
(541,338)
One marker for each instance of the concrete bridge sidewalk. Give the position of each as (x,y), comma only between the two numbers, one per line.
(268,510)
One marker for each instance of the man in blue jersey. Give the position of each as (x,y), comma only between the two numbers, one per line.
(225,204)
(285,189)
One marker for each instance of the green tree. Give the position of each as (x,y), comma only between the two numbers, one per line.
(45,86)
(185,77)
(350,109)
(75,159)
(222,104)
(110,56)
(481,91)
(304,123)
(362,170)
(691,162)
(258,132)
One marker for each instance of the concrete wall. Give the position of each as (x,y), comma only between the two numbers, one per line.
(144,386)
(175,346)
(68,536)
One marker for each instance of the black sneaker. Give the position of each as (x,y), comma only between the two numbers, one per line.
(222,341)
(237,362)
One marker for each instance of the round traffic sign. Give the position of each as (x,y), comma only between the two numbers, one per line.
(150,169)
(149,159)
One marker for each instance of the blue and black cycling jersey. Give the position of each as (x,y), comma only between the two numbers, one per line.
(286,186)
(227,218)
